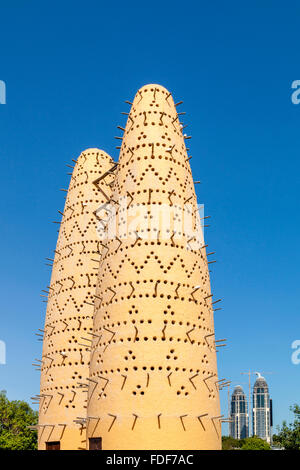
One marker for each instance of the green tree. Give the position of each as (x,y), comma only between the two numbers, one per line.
(229,443)
(255,443)
(289,435)
(15,417)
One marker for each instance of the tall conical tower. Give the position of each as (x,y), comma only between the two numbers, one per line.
(153,374)
(69,316)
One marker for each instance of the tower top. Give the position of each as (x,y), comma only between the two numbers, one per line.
(260,381)
(238,390)
(259,376)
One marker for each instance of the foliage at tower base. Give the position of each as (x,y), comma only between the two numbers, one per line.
(250,443)
(15,419)
(255,443)
(230,443)
(289,435)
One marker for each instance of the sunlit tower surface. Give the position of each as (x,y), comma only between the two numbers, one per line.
(153,375)
(129,350)
(69,316)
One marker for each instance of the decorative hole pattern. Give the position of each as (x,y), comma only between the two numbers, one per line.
(153,328)
(71,294)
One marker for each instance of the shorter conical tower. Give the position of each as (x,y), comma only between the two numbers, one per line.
(69,317)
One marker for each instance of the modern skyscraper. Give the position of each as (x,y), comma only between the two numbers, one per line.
(261,409)
(239,426)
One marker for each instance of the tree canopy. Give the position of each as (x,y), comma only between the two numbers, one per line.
(255,443)
(229,443)
(289,434)
(15,417)
(250,443)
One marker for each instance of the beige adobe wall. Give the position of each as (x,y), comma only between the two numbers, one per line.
(69,316)
(153,374)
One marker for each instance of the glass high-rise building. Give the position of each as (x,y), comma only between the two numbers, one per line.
(239,425)
(261,409)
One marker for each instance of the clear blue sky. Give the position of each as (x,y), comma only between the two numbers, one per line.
(69,66)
